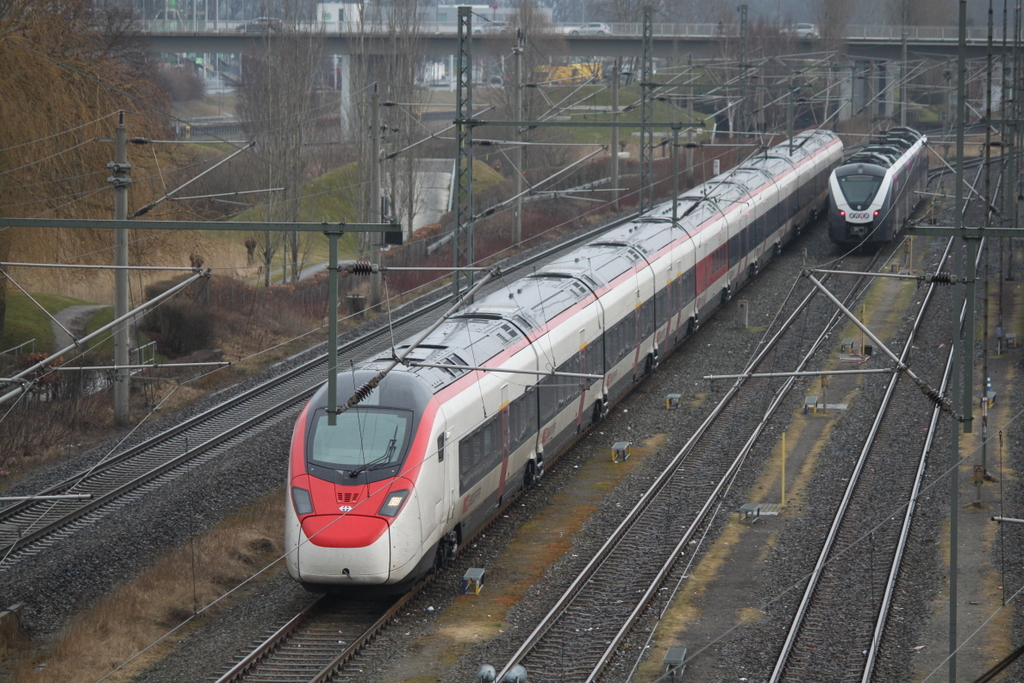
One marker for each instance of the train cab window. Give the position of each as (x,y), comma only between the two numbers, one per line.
(363,440)
(859,189)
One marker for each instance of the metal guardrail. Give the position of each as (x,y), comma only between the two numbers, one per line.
(15,350)
(146,354)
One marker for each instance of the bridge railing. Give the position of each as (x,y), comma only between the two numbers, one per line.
(944,34)
(706,30)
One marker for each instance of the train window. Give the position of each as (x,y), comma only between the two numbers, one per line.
(479,453)
(647,319)
(859,189)
(440,447)
(548,398)
(689,286)
(563,389)
(362,439)
(661,304)
(595,356)
(719,259)
(522,418)
(626,338)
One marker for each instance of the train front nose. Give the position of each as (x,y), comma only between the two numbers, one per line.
(858,230)
(343,549)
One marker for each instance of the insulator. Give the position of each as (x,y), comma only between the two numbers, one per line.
(943,278)
(935,397)
(363,391)
(362,268)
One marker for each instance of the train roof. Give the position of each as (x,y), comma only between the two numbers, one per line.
(502,319)
(885,150)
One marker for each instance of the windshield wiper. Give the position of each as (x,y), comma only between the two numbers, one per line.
(382,461)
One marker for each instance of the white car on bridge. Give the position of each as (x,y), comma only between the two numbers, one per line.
(594,28)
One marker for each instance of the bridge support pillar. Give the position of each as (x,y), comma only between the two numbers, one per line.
(344,75)
(845,80)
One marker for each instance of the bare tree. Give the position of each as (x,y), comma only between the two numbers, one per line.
(627,11)
(541,90)
(403,19)
(921,12)
(68,68)
(276,101)
(833,18)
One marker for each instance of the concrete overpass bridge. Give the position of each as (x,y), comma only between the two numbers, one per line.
(701,41)
(873,51)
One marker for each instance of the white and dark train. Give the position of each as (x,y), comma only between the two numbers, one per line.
(415,468)
(875,191)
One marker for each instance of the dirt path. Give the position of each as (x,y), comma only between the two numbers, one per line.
(74,319)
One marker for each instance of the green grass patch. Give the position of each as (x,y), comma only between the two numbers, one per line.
(25,320)
(332,198)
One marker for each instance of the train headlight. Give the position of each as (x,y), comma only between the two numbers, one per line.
(876,214)
(302,502)
(842,214)
(393,503)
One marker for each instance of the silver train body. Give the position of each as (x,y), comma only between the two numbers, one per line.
(405,476)
(875,191)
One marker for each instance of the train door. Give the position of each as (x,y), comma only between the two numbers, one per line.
(584,384)
(506,441)
(675,301)
(449,471)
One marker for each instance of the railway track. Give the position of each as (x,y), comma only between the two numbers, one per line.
(581,635)
(313,644)
(862,554)
(860,549)
(28,527)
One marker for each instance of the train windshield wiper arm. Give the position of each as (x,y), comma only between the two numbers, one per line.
(383,461)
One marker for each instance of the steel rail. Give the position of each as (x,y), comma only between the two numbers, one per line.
(377,626)
(634,515)
(101,500)
(911,508)
(823,557)
(268,645)
(809,591)
(292,630)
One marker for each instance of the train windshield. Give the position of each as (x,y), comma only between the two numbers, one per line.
(859,189)
(363,439)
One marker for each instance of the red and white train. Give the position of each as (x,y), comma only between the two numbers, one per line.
(407,474)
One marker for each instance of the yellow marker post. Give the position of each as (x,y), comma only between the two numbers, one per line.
(863,319)
(783,468)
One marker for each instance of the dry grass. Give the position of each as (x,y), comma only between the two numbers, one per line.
(165,596)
